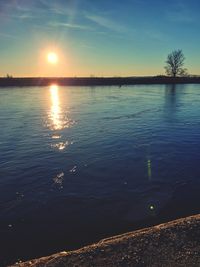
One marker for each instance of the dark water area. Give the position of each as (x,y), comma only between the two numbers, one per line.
(78,164)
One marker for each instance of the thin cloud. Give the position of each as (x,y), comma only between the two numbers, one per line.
(20,16)
(59,8)
(25,16)
(9,36)
(70,25)
(106,23)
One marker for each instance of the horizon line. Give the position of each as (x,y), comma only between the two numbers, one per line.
(99,77)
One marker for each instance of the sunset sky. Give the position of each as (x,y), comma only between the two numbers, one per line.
(96,37)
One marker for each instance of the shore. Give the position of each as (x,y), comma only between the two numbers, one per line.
(171,244)
(20,82)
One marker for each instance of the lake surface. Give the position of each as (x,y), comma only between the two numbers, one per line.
(78,164)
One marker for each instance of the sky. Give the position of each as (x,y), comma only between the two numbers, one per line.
(97,37)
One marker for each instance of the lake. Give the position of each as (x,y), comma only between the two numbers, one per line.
(78,164)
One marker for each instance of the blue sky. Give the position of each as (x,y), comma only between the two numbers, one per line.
(97,37)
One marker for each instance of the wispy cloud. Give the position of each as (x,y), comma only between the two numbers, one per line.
(25,16)
(70,25)
(59,7)
(8,36)
(106,23)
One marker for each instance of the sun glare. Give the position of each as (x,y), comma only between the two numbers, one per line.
(52,58)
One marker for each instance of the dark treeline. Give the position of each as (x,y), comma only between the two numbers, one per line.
(94,81)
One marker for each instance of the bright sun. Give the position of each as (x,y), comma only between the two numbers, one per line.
(52,58)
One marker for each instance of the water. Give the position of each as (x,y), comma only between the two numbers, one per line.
(78,164)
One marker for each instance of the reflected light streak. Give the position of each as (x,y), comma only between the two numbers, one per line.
(149,169)
(55,108)
(58,118)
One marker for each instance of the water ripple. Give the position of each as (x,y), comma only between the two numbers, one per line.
(131,116)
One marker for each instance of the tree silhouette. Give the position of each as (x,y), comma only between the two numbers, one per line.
(8,76)
(175,64)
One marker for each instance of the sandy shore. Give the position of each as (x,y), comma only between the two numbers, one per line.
(175,243)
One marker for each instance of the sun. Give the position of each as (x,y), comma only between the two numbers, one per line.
(52,57)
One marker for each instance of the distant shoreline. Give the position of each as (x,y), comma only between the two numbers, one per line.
(96,81)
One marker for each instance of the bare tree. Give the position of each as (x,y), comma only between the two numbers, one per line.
(175,64)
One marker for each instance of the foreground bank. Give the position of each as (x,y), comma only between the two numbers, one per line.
(175,243)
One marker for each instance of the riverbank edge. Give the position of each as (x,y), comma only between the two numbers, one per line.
(96,81)
(175,243)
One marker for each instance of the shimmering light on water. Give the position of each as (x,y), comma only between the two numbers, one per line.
(59,118)
(59,178)
(57,123)
(62,145)
(56,136)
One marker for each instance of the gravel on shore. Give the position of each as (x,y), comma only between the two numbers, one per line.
(171,244)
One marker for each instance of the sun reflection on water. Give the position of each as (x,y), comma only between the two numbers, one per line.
(55,108)
(59,118)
